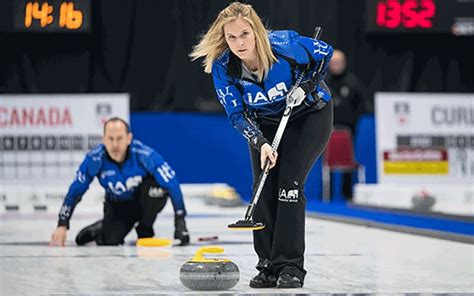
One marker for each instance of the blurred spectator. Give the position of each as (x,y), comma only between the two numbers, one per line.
(349,102)
(347,92)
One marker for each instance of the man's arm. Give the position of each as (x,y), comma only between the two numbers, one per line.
(78,187)
(165,176)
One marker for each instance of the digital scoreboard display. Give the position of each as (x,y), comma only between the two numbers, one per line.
(421,16)
(51,16)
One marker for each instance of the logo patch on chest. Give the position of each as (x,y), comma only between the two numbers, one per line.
(119,188)
(273,94)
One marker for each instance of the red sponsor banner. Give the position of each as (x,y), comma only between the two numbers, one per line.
(416,155)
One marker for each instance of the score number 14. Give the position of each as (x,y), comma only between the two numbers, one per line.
(68,17)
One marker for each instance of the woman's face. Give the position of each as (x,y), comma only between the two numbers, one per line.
(240,38)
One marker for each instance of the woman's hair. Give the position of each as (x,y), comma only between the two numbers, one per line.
(213,43)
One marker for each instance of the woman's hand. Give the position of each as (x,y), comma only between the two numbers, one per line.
(266,151)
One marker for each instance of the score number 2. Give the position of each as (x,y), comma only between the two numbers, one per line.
(405,13)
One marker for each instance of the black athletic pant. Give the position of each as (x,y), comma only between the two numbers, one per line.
(121,217)
(280,245)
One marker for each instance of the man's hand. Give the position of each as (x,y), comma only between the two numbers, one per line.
(59,236)
(181,232)
(266,151)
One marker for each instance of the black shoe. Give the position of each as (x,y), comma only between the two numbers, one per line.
(88,234)
(286,280)
(264,279)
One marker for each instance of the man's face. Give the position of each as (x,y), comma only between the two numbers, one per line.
(337,64)
(116,140)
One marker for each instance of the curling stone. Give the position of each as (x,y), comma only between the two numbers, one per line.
(423,201)
(209,274)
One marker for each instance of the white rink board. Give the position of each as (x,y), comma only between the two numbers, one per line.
(43,138)
(426,121)
(449,199)
(26,199)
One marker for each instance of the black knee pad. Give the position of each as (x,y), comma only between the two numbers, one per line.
(101,240)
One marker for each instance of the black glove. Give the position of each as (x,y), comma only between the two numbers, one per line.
(310,84)
(314,98)
(181,232)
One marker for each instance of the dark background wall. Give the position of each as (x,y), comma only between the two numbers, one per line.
(141,47)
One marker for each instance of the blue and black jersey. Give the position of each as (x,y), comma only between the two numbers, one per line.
(121,180)
(246,99)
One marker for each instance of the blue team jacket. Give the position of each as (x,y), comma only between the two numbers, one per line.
(121,180)
(244,99)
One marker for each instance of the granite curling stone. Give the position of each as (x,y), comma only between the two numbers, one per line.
(209,274)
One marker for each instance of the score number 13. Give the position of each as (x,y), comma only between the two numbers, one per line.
(408,14)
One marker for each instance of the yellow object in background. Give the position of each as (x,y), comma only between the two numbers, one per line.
(153,242)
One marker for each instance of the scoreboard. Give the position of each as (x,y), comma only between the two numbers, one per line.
(420,16)
(47,16)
